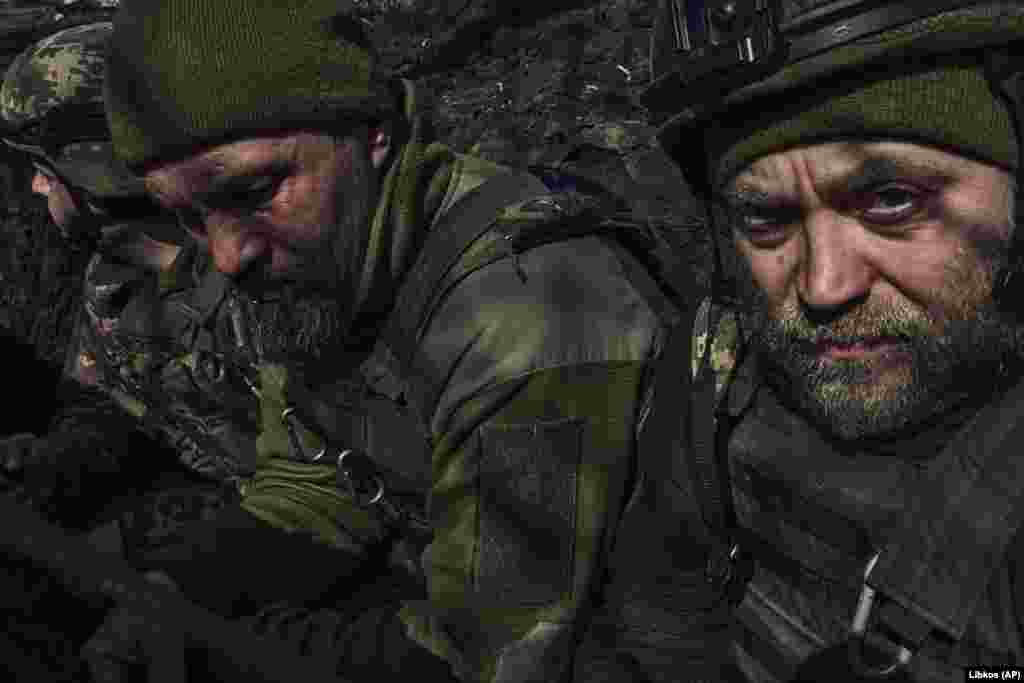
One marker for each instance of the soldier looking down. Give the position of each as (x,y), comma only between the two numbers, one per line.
(458,288)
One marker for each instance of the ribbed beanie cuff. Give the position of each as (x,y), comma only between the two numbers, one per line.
(186,73)
(951,107)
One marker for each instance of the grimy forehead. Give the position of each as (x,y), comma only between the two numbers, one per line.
(845,166)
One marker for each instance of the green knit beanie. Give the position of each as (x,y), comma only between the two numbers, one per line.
(188,73)
(950,107)
(922,82)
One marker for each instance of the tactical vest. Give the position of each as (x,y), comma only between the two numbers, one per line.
(813,520)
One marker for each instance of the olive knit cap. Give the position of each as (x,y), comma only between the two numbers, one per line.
(923,82)
(188,73)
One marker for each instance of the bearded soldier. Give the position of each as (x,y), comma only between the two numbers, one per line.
(457,288)
(844,468)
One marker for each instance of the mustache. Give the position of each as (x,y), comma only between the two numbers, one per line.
(860,326)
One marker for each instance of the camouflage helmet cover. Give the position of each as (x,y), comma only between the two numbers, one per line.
(52,105)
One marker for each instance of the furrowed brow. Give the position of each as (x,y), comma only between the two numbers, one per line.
(875,171)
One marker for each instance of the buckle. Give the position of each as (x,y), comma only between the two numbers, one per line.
(900,654)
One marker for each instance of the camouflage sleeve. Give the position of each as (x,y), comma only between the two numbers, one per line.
(541,358)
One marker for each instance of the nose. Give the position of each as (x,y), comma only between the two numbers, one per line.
(231,244)
(40,184)
(835,271)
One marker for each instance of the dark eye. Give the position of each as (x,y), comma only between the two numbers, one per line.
(257,195)
(191,220)
(764,224)
(891,204)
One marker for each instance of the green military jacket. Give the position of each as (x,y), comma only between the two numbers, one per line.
(537,361)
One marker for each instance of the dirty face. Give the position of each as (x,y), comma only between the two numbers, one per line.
(287,218)
(61,205)
(869,272)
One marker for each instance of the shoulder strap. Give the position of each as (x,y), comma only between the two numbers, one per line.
(677,442)
(959,525)
(463,224)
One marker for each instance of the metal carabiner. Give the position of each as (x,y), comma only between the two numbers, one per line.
(376,498)
(858,633)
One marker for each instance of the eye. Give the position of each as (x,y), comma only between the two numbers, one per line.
(254,195)
(891,204)
(764,225)
(259,194)
(191,220)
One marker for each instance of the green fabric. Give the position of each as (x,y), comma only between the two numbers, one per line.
(411,195)
(294,495)
(184,72)
(297,496)
(604,396)
(949,107)
(893,54)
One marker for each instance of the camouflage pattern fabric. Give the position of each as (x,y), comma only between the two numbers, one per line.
(65,67)
(52,104)
(725,341)
(539,358)
(137,333)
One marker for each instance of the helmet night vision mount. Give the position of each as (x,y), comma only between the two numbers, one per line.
(705,49)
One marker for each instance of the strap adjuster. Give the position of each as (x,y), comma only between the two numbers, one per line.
(859,634)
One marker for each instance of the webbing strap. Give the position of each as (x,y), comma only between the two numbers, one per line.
(965,513)
(679,439)
(463,224)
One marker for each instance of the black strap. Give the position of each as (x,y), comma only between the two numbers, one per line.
(959,525)
(463,224)
(678,438)
(852,27)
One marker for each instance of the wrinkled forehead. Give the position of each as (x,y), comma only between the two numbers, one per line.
(829,165)
(176,184)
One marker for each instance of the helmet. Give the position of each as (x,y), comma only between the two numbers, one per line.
(52,105)
(717,64)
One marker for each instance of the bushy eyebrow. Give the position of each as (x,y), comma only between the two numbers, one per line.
(871,172)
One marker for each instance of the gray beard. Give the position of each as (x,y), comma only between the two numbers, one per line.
(971,361)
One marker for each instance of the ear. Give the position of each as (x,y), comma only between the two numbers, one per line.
(379,144)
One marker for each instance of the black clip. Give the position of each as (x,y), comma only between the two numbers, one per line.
(901,655)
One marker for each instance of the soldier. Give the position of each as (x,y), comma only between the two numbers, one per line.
(137,363)
(845,466)
(457,287)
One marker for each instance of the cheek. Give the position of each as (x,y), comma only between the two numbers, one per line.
(771,272)
(947,280)
(302,213)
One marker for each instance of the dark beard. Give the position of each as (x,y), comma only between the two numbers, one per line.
(307,323)
(976,355)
